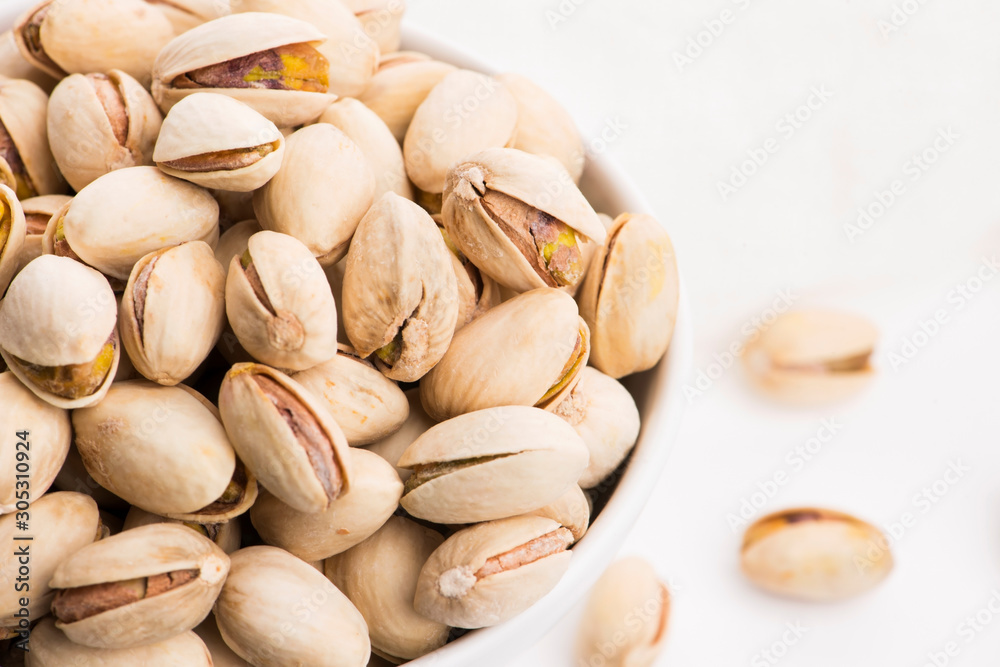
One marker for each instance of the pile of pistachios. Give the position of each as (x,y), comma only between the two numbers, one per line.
(311,346)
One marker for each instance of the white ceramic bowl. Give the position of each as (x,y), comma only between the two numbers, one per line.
(658,394)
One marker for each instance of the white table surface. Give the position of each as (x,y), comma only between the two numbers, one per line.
(680,130)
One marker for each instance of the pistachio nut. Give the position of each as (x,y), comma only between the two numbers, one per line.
(491,464)
(379,576)
(323,189)
(400,57)
(61,523)
(14,66)
(13,232)
(491,572)
(350,519)
(630,296)
(226,535)
(37,213)
(815,554)
(234,242)
(488,366)
(365,404)
(279,303)
(381,20)
(187,14)
(222,655)
(435,141)
(39,454)
(373,137)
(73,476)
(139,587)
(544,127)
(628,609)
(63,37)
(51,648)
(285,437)
(570,510)
(217,142)
(477,292)
(416,424)
(396,92)
(127,214)
(26,163)
(160,448)
(520,219)
(399,296)
(813,356)
(604,413)
(267,61)
(65,362)
(351,53)
(266,587)
(173,310)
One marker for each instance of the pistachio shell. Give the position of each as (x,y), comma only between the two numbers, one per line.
(491,464)
(399,290)
(51,648)
(74,477)
(187,14)
(465,113)
(13,232)
(570,510)
(416,424)
(815,554)
(14,66)
(222,655)
(379,576)
(350,519)
(23,108)
(268,586)
(234,242)
(381,20)
(159,448)
(225,535)
(321,192)
(142,552)
(239,496)
(37,213)
(477,293)
(396,92)
(400,58)
(527,351)
(235,207)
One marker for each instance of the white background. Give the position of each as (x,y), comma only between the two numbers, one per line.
(683,129)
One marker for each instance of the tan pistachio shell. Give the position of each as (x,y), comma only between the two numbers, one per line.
(143,552)
(74,477)
(223,509)
(187,14)
(225,534)
(37,213)
(350,519)
(268,586)
(514,354)
(232,37)
(417,423)
(401,57)
(630,296)
(477,292)
(222,655)
(13,233)
(447,127)
(381,20)
(399,286)
(570,510)
(14,66)
(23,111)
(51,648)
(379,576)
(234,242)
(396,92)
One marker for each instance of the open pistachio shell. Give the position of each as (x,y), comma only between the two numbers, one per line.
(14,66)
(267,61)
(447,128)
(570,510)
(399,293)
(217,142)
(24,142)
(50,647)
(139,587)
(225,534)
(381,20)
(487,365)
(13,232)
(187,14)
(239,496)
(37,213)
(396,92)
(417,423)
(234,242)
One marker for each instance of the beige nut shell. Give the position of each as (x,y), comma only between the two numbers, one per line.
(11,250)
(396,92)
(571,510)
(51,648)
(417,423)
(23,110)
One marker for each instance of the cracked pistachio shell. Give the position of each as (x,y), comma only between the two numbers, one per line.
(217,142)
(222,655)
(240,36)
(61,524)
(135,554)
(285,437)
(379,576)
(544,127)
(815,554)
(463,585)
(520,219)
(64,37)
(234,242)
(172,312)
(187,14)
(14,66)
(38,327)
(26,163)
(447,127)
(381,20)
(491,464)
(365,404)
(527,351)
(160,448)
(127,214)
(239,496)
(628,609)
(399,294)
(477,292)
(280,305)
(350,519)
(47,443)
(266,588)
(13,235)
(813,356)
(417,423)
(630,296)
(570,510)
(51,648)
(375,140)
(323,189)
(98,123)
(396,92)
(37,213)
(226,535)
(604,413)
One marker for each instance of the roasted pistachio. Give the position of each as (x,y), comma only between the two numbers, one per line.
(234,242)
(37,213)
(74,477)
(381,20)
(14,66)
(222,655)
(187,14)
(417,423)
(13,232)
(477,292)
(239,496)
(26,163)
(570,510)
(396,92)
(225,534)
